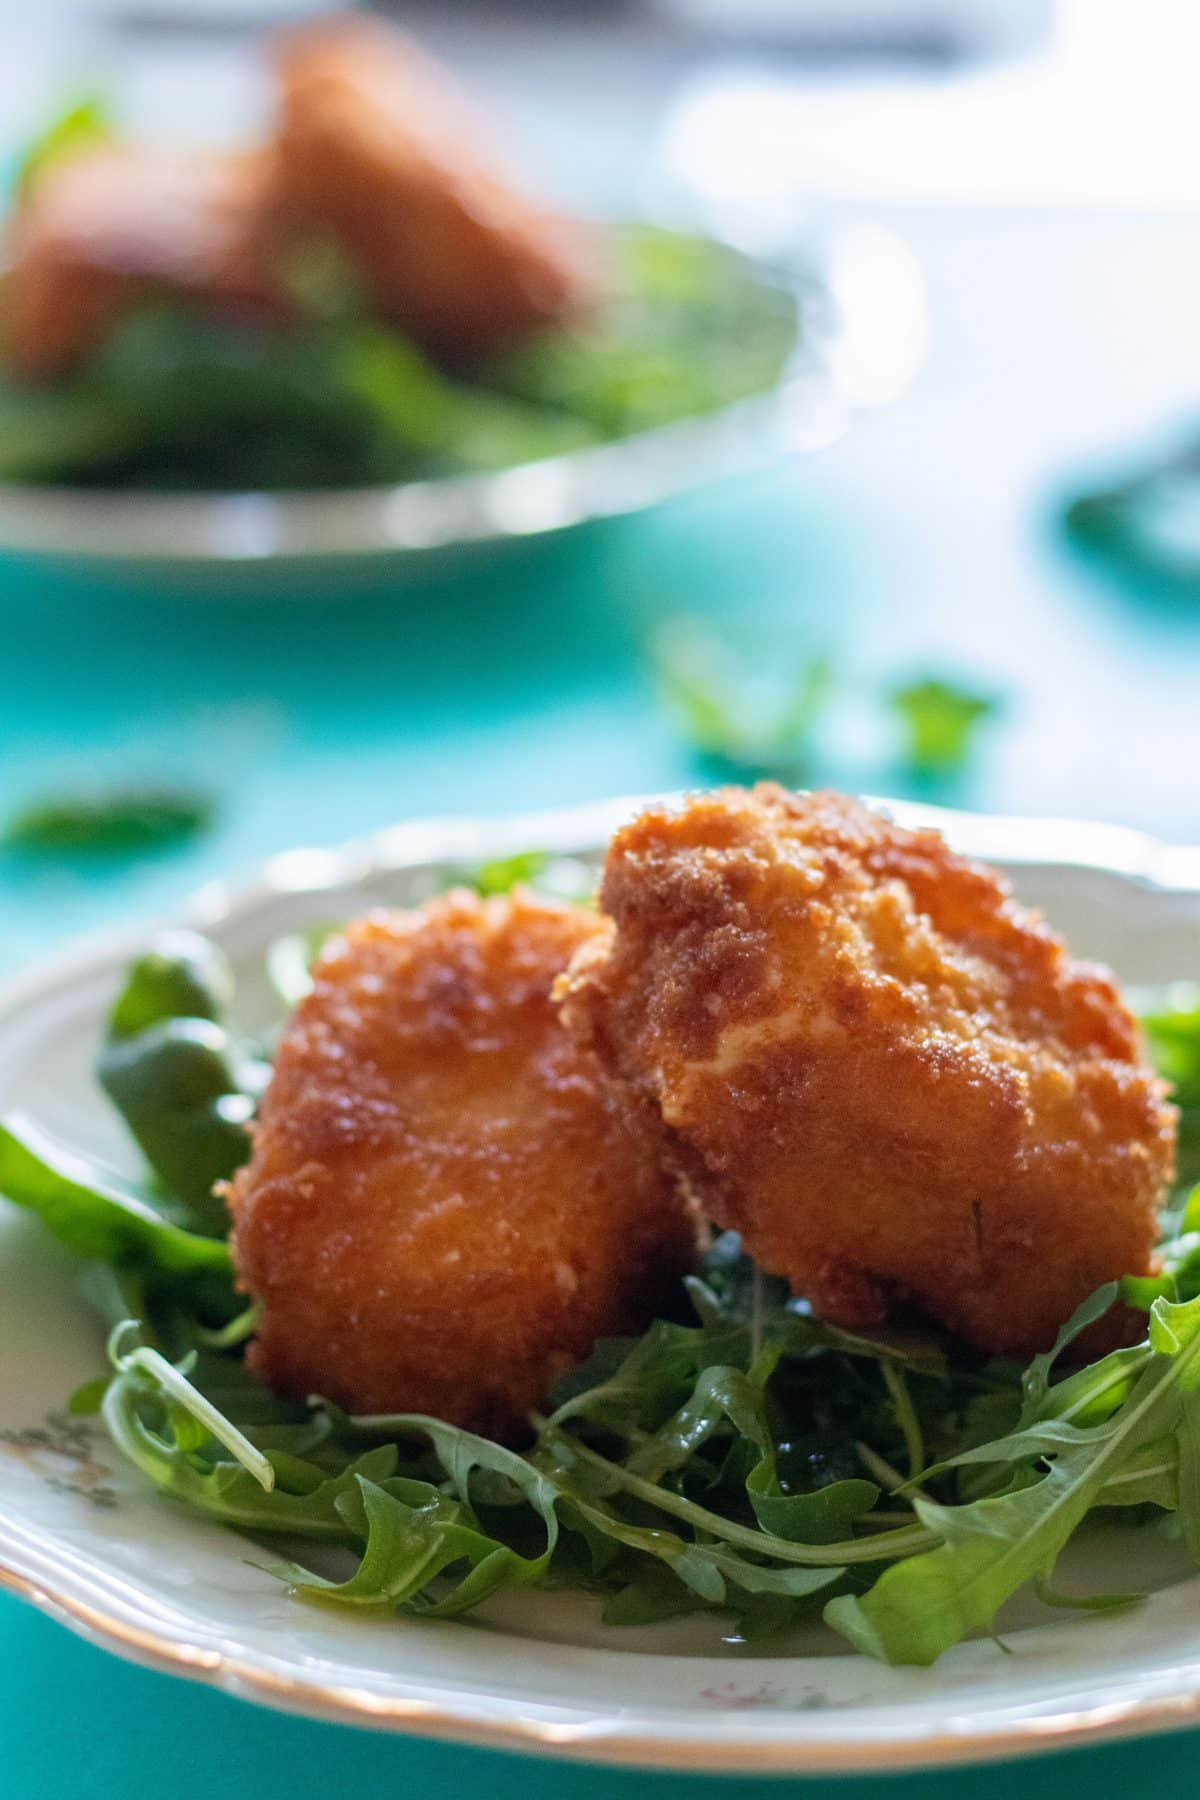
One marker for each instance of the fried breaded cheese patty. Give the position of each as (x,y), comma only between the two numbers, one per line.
(444,1207)
(379,148)
(891,1078)
(106,230)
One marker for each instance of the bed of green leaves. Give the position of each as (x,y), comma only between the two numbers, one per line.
(740,1456)
(176,397)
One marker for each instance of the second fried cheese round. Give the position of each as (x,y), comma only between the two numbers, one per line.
(444,1206)
(891,1078)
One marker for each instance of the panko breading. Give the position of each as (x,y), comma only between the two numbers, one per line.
(887,1075)
(379,148)
(443,1208)
(104,230)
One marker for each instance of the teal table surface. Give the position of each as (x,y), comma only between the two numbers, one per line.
(925,540)
(76,1722)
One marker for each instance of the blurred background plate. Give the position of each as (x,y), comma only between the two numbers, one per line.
(863,327)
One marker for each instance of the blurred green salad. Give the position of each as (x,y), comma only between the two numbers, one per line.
(177,395)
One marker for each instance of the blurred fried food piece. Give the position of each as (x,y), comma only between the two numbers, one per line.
(444,1207)
(377,146)
(888,1076)
(113,226)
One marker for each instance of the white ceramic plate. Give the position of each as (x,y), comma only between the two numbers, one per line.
(862,304)
(84,1538)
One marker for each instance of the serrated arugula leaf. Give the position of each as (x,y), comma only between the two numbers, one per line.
(1036,1382)
(1149,1478)
(150,1434)
(128,822)
(412,1535)
(992,1547)
(1051,1596)
(824,1516)
(652,1595)
(939,720)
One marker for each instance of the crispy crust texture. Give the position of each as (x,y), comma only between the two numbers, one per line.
(107,229)
(876,1065)
(444,1207)
(379,147)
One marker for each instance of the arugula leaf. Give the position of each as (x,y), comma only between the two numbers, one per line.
(992,1547)
(414,1533)
(408,1543)
(616,1478)
(1035,1384)
(55,434)
(653,1594)
(142,1359)
(94,1218)
(506,872)
(1050,1596)
(767,720)
(825,1516)
(305,1506)
(1171,1021)
(1149,1478)
(567,878)
(124,822)
(691,325)
(630,1385)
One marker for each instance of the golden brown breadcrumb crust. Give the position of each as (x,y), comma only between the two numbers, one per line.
(107,229)
(443,1209)
(379,148)
(875,1064)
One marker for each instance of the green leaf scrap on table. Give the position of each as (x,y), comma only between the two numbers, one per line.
(730,715)
(1146,523)
(939,722)
(123,822)
(758,718)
